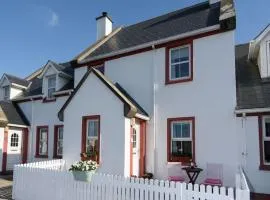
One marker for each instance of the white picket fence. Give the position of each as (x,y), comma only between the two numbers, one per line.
(36,182)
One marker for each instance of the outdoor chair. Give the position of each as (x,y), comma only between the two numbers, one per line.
(214,174)
(175,172)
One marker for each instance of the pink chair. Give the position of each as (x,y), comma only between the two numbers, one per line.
(175,172)
(214,174)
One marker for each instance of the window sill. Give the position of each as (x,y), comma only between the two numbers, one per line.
(168,82)
(57,157)
(41,156)
(264,167)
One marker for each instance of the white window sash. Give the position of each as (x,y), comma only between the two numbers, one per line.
(43,142)
(59,142)
(181,62)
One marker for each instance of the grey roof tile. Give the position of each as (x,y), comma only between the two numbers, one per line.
(17,80)
(181,21)
(251,90)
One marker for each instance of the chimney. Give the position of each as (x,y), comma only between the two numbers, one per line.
(104,25)
(213,1)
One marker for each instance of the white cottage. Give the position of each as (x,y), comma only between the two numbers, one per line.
(155,94)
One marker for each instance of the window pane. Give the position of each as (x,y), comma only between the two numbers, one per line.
(267,128)
(177,130)
(175,55)
(176,148)
(267,151)
(187,148)
(43,134)
(186,130)
(51,81)
(50,92)
(60,133)
(92,128)
(184,69)
(175,71)
(91,146)
(184,54)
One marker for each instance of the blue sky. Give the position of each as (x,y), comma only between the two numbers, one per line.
(34,31)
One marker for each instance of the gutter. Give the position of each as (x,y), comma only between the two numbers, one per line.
(63,92)
(253,110)
(34,97)
(16,125)
(151,44)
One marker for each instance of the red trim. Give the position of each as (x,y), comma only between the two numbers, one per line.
(167,61)
(262,165)
(142,147)
(149,48)
(25,145)
(84,130)
(171,158)
(4,159)
(131,151)
(37,141)
(56,127)
(45,100)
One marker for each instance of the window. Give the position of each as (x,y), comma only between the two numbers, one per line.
(6,92)
(51,86)
(134,138)
(265,142)
(14,141)
(42,141)
(179,64)
(181,136)
(91,137)
(58,141)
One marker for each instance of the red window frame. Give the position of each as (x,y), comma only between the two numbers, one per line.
(38,140)
(184,160)
(262,166)
(84,134)
(56,128)
(180,43)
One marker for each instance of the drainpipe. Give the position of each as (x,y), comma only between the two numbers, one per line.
(32,131)
(244,152)
(154,108)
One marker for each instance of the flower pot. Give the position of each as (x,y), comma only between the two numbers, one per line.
(84,176)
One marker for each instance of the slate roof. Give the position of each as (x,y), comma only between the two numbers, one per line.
(17,80)
(252,91)
(131,106)
(178,22)
(13,113)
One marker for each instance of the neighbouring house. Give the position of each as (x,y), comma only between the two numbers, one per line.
(166,90)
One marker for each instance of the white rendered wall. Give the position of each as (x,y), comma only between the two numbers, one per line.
(1,146)
(104,27)
(14,92)
(42,114)
(202,98)
(264,57)
(249,131)
(94,98)
(78,74)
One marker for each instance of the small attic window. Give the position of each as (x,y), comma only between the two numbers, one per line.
(51,86)
(6,92)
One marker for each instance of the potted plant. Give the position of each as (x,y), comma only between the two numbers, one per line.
(83,170)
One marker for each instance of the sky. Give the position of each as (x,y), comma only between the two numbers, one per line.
(35,31)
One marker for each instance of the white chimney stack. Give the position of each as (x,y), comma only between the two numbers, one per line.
(213,1)
(104,25)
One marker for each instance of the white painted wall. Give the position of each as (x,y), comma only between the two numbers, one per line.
(94,98)
(104,27)
(42,114)
(14,92)
(202,98)
(264,57)
(249,130)
(78,74)
(1,146)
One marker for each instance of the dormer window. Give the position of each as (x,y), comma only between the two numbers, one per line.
(6,92)
(51,86)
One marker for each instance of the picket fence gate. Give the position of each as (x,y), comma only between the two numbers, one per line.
(35,182)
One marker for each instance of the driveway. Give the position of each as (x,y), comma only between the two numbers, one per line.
(6,187)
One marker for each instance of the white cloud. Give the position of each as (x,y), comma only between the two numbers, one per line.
(54,19)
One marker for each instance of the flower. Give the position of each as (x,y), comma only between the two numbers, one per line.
(84,166)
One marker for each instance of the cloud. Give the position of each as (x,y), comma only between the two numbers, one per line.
(54,19)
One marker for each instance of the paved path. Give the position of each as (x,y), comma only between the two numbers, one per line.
(5,187)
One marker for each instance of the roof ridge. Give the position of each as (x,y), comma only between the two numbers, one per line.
(205,3)
(15,76)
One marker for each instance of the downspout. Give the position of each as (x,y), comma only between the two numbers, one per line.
(244,153)
(32,131)
(154,109)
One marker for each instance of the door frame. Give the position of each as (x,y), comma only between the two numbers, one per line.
(142,143)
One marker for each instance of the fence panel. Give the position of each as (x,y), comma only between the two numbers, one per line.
(49,180)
